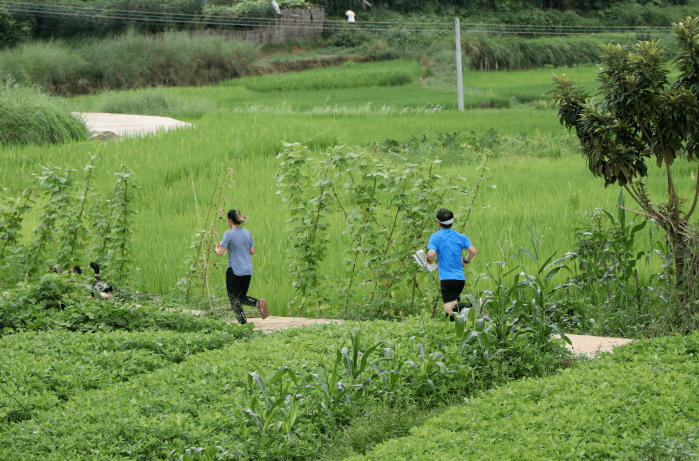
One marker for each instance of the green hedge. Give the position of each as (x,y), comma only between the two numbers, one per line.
(41,370)
(216,397)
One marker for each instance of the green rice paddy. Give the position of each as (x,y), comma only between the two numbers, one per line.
(526,195)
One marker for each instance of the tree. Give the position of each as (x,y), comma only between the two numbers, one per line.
(644,117)
(12,31)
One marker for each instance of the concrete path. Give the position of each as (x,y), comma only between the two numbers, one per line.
(129,125)
(592,345)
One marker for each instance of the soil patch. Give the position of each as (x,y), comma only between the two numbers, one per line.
(273,323)
(588,345)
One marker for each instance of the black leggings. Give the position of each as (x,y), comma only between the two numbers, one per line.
(237,287)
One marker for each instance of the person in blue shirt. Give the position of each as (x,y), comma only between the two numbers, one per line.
(240,246)
(447,246)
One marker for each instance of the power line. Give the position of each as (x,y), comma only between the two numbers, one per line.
(216,21)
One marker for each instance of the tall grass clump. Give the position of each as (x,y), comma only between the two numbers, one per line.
(129,61)
(152,101)
(172,59)
(50,65)
(515,53)
(29,117)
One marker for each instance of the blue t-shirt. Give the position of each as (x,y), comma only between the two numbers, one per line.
(238,242)
(449,245)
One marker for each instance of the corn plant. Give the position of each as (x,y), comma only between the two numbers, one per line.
(608,258)
(274,409)
(520,306)
(427,368)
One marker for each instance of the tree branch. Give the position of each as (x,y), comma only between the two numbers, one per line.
(696,195)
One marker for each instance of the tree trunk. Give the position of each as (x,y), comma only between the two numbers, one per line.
(686,256)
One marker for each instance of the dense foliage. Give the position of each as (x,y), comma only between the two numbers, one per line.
(642,116)
(58,301)
(76,226)
(132,60)
(638,403)
(12,31)
(268,397)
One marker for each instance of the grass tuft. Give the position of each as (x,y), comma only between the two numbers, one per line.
(153,101)
(30,117)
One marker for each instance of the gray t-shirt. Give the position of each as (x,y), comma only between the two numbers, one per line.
(238,242)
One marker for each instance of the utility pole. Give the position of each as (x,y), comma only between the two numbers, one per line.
(459,75)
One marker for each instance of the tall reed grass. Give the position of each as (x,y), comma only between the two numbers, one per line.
(129,61)
(30,117)
(492,53)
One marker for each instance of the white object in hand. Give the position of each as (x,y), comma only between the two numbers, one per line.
(421,259)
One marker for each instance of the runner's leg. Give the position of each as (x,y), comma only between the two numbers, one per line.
(237,286)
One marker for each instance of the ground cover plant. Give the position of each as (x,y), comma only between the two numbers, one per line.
(637,403)
(43,370)
(269,396)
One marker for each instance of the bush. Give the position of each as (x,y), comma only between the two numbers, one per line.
(130,61)
(12,31)
(29,117)
(59,301)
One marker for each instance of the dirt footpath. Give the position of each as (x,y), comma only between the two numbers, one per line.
(122,125)
(582,344)
(273,323)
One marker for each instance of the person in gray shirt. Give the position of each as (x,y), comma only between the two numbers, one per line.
(240,246)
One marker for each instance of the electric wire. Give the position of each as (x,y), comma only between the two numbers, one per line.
(217,19)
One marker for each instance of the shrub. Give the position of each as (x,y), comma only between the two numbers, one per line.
(132,60)
(29,117)
(60,301)
(12,31)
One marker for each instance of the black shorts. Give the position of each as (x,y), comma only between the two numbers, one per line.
(451,290)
